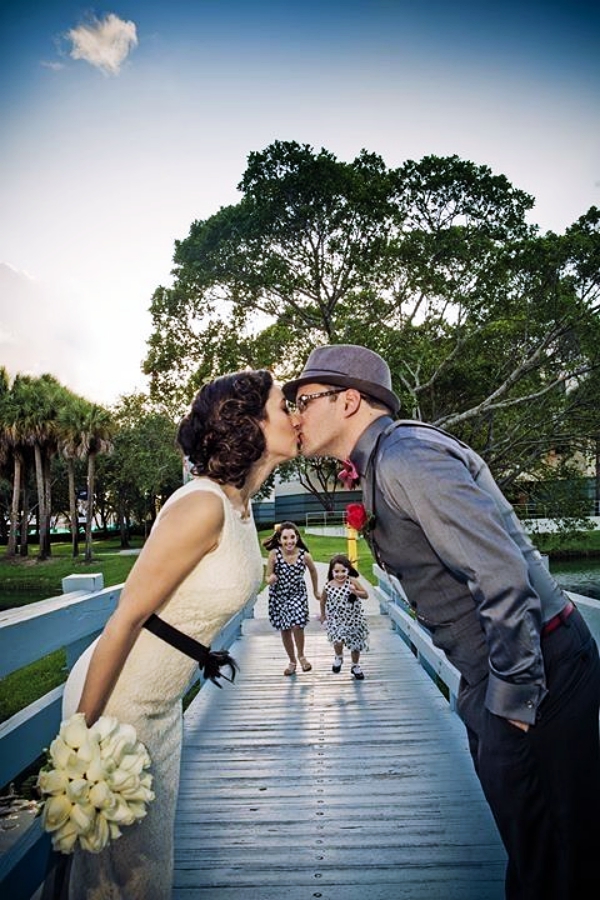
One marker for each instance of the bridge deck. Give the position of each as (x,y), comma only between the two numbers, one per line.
(319,786)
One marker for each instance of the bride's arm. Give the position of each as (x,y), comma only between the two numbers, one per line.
(186,531)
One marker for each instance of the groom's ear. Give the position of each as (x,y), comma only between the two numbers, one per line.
(351,399)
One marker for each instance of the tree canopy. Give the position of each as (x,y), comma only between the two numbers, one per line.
(490,328)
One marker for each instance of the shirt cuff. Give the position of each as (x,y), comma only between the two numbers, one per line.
(514,701)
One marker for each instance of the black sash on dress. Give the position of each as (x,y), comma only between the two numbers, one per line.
(209,661)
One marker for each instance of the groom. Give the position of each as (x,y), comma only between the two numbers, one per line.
(530,686)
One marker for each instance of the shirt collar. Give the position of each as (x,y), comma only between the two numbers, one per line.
(364,446)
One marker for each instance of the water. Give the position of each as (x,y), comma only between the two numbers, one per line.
(579,576)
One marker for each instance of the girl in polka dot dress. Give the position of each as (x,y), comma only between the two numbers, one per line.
(288,598)
(342,613)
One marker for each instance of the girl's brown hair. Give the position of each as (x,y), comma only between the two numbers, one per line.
(271,543)
(340,559)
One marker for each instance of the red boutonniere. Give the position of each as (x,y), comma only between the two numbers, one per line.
(349,475)
(358,518)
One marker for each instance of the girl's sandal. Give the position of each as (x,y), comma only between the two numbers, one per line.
(291,669)
(306,666)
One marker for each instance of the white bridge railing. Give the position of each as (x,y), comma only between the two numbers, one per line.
(393,602)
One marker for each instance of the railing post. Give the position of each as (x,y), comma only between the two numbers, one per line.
(90,582)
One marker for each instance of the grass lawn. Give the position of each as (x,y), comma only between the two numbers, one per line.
(44,578)
(323,548)
(556,546)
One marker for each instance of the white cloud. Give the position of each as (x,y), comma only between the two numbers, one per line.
(54,66)
(90,345)
(40,330)
(104,44)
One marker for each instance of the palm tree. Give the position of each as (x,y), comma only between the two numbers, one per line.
(98,430)
(37,401)
(15,439)
(73,446)
(6,455)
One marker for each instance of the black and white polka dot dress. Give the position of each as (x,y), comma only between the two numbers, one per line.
(288,597)
(345,622)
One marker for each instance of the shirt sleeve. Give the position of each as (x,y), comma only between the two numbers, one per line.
(460,521)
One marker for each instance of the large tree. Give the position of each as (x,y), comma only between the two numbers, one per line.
(486,324)
(261,281)
(145,466)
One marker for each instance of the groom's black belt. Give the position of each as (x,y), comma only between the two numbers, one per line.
(557,620)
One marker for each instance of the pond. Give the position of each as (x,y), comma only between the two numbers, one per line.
(579,576)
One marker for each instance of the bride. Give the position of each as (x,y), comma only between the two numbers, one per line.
(199,566)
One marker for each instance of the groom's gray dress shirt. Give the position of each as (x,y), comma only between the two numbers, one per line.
(474,579)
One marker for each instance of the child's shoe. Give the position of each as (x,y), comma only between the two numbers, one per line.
(337,664)
(357,672)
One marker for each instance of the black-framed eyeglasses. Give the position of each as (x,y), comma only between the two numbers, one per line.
(304,399)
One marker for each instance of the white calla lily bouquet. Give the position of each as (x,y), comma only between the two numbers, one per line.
(95,782)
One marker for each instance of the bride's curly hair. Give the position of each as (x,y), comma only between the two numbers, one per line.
(221,435)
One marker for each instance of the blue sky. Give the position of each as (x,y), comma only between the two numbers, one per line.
(122,124)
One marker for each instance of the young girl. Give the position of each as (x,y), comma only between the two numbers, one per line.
(342,613)
(288,597)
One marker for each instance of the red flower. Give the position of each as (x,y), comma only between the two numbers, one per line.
(357,517)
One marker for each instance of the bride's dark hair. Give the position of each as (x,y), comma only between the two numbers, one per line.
(221,435)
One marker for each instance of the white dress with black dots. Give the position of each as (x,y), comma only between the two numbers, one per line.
(345,622)
(288,597)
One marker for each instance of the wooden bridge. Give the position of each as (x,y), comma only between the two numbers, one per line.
(314,786)
(320,786)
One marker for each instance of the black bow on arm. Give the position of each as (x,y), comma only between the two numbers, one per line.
(210,662)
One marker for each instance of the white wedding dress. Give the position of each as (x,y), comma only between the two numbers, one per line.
(139,865)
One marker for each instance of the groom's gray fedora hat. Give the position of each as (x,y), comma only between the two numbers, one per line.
(347,365)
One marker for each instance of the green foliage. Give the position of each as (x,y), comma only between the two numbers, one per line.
(488,326)
(258,283)
(145,466)
(125,461)
(562,495)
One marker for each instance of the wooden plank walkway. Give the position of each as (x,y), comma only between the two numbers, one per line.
(319,786)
